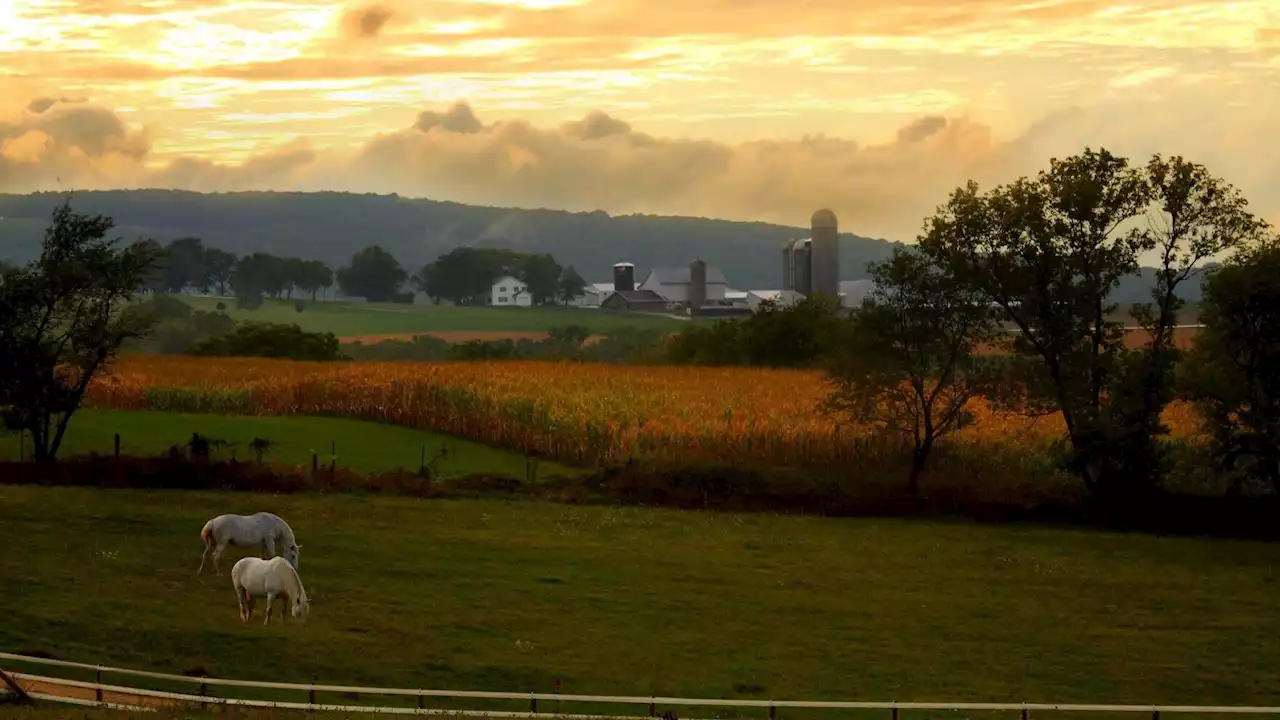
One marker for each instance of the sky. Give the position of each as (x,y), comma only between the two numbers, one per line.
(737,109)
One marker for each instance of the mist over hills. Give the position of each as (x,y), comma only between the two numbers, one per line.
(330,226)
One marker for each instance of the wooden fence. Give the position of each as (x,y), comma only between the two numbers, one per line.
(145,699)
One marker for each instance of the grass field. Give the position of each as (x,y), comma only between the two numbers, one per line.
(362,446)
(513,596)
(350,319)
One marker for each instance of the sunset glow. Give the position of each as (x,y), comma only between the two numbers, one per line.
(760,110)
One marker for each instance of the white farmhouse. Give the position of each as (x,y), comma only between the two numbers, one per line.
(510,291)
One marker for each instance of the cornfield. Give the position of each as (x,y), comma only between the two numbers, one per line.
(581,414)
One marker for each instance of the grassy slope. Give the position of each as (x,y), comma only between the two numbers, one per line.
(361,446)
(487,595)
(346,318)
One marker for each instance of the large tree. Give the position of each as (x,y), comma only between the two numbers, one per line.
(62,320)
(465,275)
(373,274)
(909,361)
(431,281)
(185,264)
(1049,251)
(541,273)
(312,276)
(218,266)
(1233,371)
(571,285)
(257,275)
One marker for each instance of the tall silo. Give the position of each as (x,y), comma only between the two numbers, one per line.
(802,262)
(624,277)
(788,267)
(825,254)
(697,286)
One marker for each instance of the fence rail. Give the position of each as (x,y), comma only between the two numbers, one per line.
(532,697)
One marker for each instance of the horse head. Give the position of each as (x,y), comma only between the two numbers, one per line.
(301,607)
(292,554)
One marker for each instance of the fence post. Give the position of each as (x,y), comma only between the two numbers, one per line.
(533,704)
(653,708)
(315,463)
(204,690)
(557,693)
(420,698)
(333,456)
(895,707)
(1155,714)
(97,675)
(1026,714)
(773,711)
(15,688)
(117,446)
(311,693)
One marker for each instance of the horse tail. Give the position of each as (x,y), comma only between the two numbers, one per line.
(206,533)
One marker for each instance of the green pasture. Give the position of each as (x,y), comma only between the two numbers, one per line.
(359,318)
(491,595)
(362,446)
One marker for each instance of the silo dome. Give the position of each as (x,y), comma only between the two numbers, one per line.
(823,218)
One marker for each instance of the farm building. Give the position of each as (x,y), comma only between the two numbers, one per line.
(852,292)
(637,300)
(673,283)
(593,294)
(510,291)
(782,297)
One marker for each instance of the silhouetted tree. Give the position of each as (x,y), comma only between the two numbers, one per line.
(1050,251)
(373,274)
(312,276)
(908,362)
(464,275)
(1233,372)
(62,320)
(430,281)
(184,264)
(541,273)
(218,266)
(571,285)
(257,275)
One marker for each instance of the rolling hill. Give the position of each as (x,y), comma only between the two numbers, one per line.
(330,226)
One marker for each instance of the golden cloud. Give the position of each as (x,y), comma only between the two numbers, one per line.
(601,161)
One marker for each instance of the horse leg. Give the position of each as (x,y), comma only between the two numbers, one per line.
(217,554)
(208,545)
(271,597)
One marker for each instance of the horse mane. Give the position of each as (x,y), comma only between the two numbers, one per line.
(296,579)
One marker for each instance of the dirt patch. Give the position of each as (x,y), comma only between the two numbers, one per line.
(459,336)
(79,693)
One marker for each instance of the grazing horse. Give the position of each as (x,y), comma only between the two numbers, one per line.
(253,577)
(260,529)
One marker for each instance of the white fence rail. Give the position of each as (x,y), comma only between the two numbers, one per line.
(311,689)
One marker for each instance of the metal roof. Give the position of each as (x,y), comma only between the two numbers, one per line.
(680,276)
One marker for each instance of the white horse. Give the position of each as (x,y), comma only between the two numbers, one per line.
(259,529)
(253,577)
